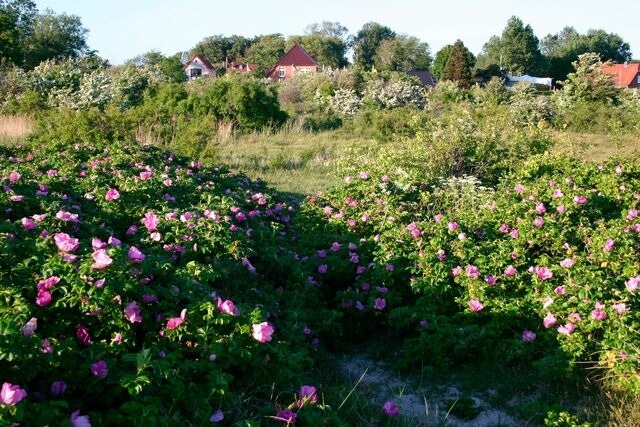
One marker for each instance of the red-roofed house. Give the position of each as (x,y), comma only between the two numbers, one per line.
(296,60)
(197,67)
(624,75)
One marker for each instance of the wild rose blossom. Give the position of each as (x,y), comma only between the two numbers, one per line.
(475,305)
(11,394)
(101,258)
(307,394)
(78,420)
(132,312)
(390,409)
(580,200)
(472,271)
(632,284)
(528,336)
(83,334)
(67,216)
(620,307)
(14,176)
(598,312)
(99,369)
(66,243)
(566,329)
(174,322)
(567,263)
(151,221)
(543,273)
(560,290)
(28,224)
(510,271)
(549,320)
(262,332)
(112,194)
(608,246)
(134,255)
(380,304)
(217,416)
(227,307)
(58,387)
(30,327)
(43,298)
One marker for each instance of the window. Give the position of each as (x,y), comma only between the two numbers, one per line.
(638,79)
(281,72)
(195,73)
(305,70)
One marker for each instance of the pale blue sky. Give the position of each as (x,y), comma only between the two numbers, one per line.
(122,29)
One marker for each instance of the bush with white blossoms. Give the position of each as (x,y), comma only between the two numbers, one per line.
(345,102)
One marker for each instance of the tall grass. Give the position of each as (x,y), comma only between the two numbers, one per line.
(14,129)
(291,160)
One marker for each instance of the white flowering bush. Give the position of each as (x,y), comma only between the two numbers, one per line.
(395,93)
(345,102)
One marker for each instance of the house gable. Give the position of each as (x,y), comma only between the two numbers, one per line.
(624,75)
(198,66)
(295,60)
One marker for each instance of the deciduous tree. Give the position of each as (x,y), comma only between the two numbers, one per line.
(367,41)
(402,53)
(265,51)
(16,24)
(55,37)
(515,51)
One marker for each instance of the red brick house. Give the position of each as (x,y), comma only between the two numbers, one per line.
(296,60)
(624,75)
(198,66)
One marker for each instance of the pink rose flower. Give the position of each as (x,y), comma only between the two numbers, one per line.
(380,304)
(30,327)
(308,394)
(174,322)
(151,221)
(112,194)
(475,305)
(262,332)
(99,369)
(11,394)
(66,243)
(390,409)
(132,312)
(14,176)
(101,258)
(227,307)
(78,420)
(549,320)
(28,224)
(135,255)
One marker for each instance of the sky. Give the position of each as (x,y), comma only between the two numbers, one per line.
(121,29)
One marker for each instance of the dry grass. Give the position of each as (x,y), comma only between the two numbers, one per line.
(15,126)
(596,147)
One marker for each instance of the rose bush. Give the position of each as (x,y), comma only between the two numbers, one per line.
(540,269)
(141,288)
